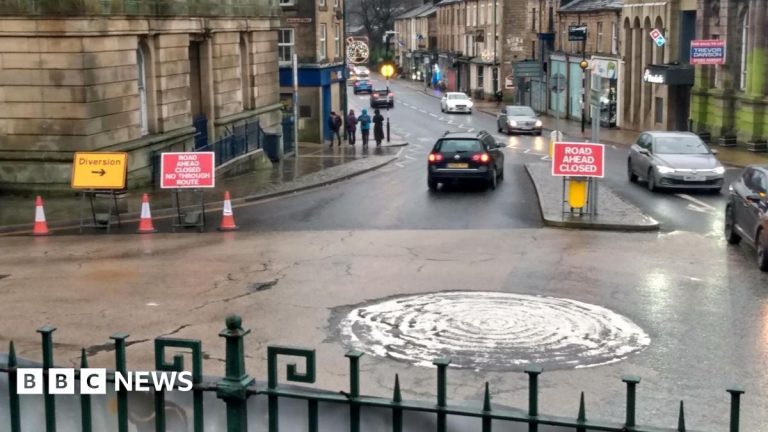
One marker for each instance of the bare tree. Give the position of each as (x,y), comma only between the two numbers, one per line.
(378,16)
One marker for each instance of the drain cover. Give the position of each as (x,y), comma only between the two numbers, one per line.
(492,331)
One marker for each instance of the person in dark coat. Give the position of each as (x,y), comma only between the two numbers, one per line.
(365,126)
(378,127)
(334,125)
(351,127)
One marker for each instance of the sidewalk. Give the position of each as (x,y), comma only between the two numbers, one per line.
(317,165)
(735,156)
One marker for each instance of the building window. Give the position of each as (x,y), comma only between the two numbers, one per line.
(614,39)
(321,3)
(322,41)
(287,2)
(599,47)
(335,3)
(142,81)
(744,44)
(659,117)
(337,41)
(285,44)
(480,70)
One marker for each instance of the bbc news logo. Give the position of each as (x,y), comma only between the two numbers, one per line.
(93,381)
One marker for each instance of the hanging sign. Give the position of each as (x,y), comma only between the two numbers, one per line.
(658,37)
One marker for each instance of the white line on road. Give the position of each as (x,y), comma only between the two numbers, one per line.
(441,118)
(545,157)
(409,157)
(470,130)
(399,152)
(461,126)
(399,164)
(433,115)
(613,146)
(423,111)
(527,150)
(425,139)
(697,209)
(696,201)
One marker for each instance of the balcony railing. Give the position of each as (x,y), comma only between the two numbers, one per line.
(163,8)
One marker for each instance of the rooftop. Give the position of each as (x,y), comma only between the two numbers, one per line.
(166,8)
(592,5)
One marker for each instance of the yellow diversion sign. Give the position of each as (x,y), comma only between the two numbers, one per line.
(99,170)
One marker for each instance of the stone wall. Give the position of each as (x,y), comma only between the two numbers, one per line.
(73,85)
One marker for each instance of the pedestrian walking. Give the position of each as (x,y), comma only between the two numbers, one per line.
(365,126)
(499,97)
(351,127)
(334,124)
(378,127)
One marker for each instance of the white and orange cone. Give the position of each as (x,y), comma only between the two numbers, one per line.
(41,226)
(227,219)
(145,224)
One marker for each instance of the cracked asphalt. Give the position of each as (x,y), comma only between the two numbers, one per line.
(286,284)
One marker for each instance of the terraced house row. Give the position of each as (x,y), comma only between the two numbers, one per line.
(532,50)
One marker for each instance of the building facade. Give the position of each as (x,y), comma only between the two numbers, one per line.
(451,44)
(129,77)
(730,101)
(416,46)
(573,90)
(314,30)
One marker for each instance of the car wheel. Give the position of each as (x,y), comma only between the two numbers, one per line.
(762,251)
(499,128)
(501,174)
(493,180)
(651,181)
(442,109)
(631,174)
(730,234)
(432,184)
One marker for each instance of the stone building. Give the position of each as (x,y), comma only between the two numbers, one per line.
(730,101)
(655,79)
(452,46)
(568,83)
(127,76)
(416,42)
(314,30)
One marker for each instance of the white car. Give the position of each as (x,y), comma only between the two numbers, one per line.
(456,102)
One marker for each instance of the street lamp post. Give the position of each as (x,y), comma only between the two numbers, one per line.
(387,69)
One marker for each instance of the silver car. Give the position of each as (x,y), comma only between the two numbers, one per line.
(518,118)
(674,160)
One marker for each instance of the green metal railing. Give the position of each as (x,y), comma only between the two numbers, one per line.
(236,387)
(164,8)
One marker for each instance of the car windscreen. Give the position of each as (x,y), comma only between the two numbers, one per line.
(520,112)
(679,145)
(458,96)
(459,146)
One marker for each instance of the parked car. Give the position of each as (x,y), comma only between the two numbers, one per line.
(362,86)
(746,212)
(379,99)
(674,160)
(456,102)
(465,156)
(518,118)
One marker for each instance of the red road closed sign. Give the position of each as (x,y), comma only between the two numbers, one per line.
(578,159)
(186,170)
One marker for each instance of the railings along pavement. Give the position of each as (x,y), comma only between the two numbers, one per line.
(236,387)
(240,139)
(162,8)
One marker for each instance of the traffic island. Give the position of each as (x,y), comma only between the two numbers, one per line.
(613,213)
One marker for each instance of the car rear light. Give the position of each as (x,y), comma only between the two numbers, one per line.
(435,157)
(481,157)
(375,96)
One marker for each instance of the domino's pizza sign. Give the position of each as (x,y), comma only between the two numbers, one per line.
(658,37)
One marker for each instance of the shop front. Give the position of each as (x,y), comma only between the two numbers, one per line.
(604,72)
(558,82)
(673,111)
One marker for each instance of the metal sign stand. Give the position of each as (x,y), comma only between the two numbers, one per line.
(99,220)
(590,207)
(189,217)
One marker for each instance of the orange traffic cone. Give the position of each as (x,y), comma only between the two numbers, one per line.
(227,220)
(145,224)
(41,226)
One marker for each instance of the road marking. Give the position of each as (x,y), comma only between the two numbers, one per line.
(470,130)
(399,164)
(461,126)
(527,150)
(423,111)
(433,115)
(412,107)
(545,158)
(450,122)
(409,157)
(613,146)
(399,152)
(696,201)
(441,118)
(424,139)
(698,209)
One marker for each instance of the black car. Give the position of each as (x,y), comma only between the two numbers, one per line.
(746,214)
(379,99)
(463,155)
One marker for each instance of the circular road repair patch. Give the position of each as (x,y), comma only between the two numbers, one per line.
(491,331)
